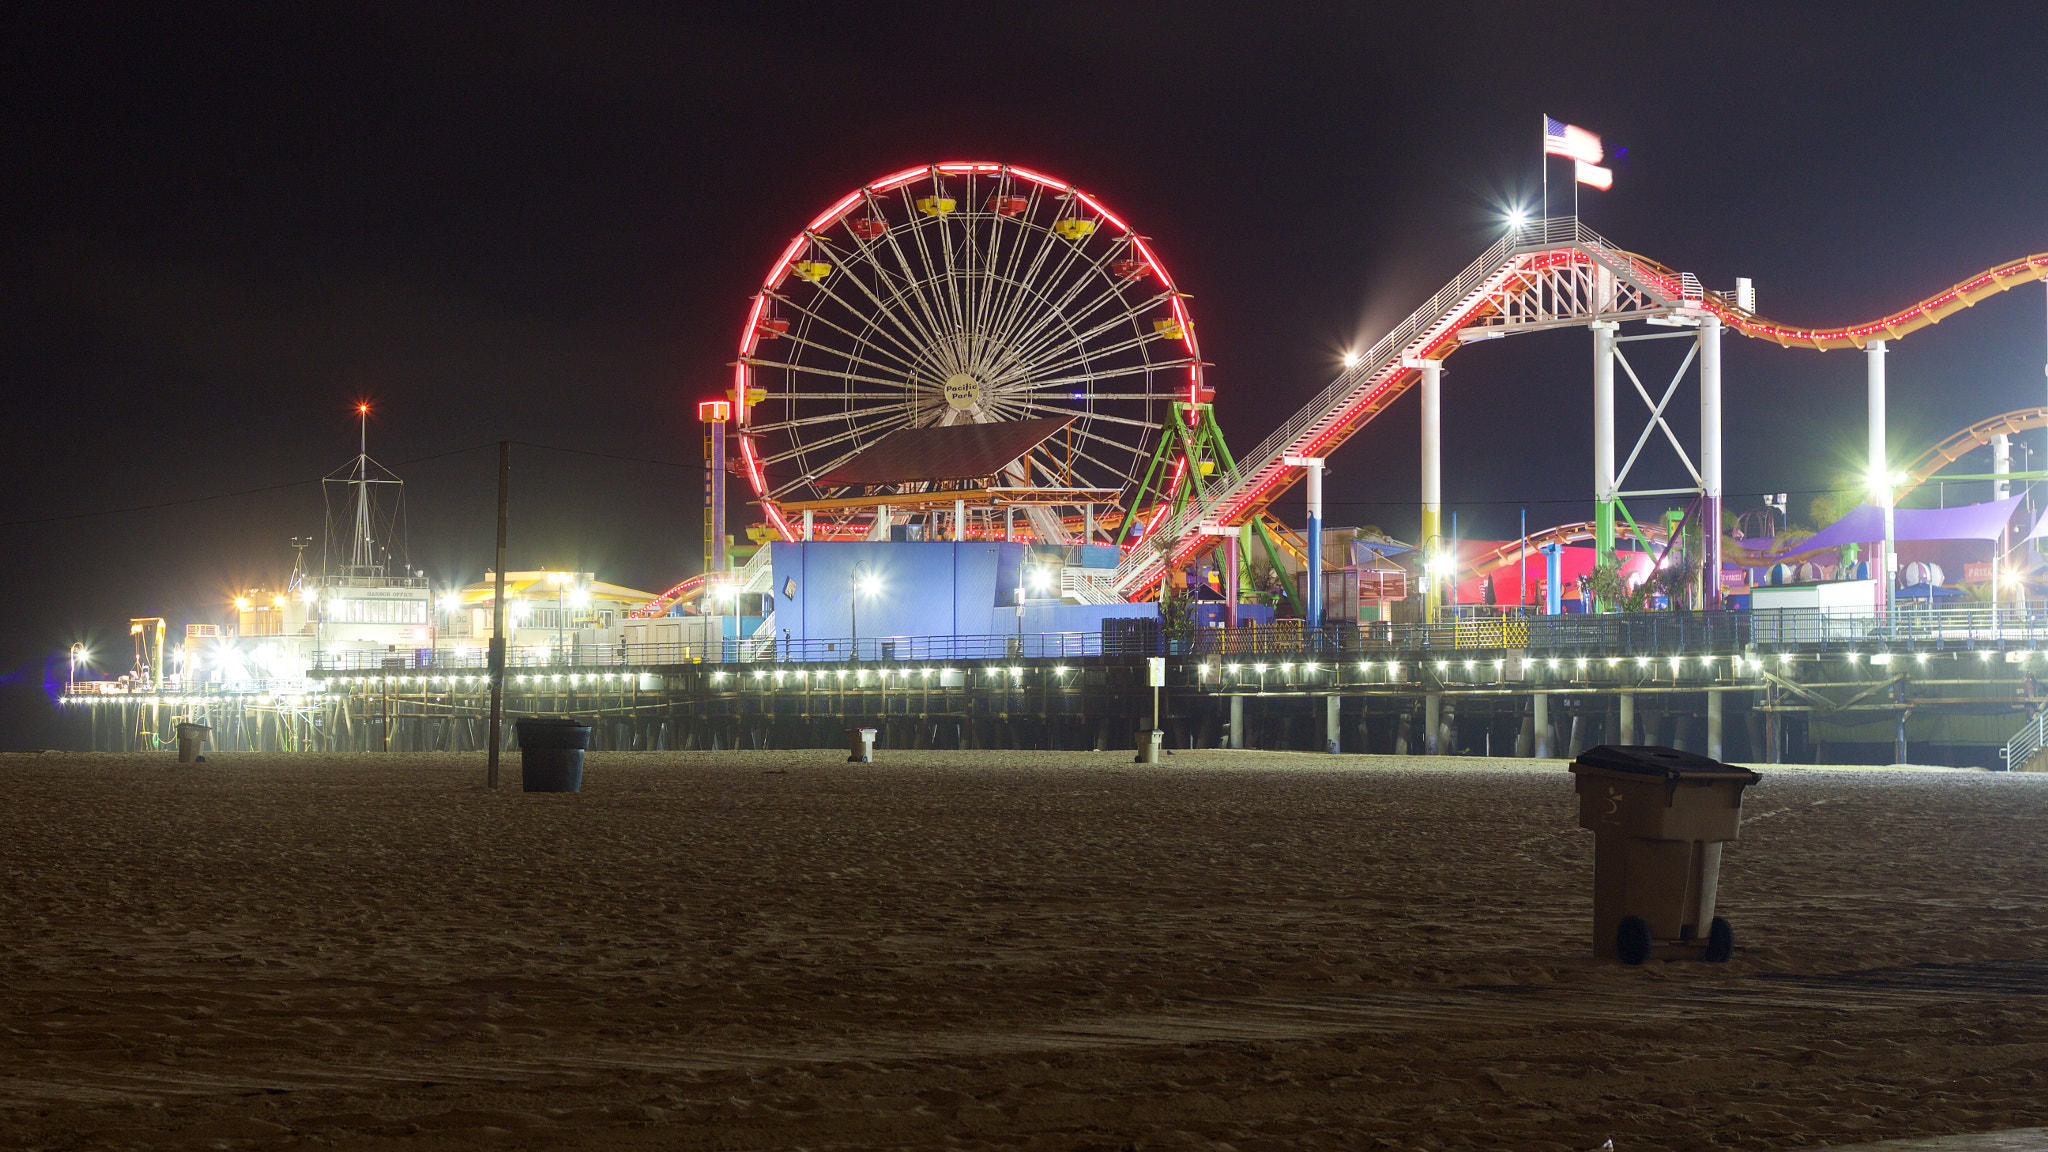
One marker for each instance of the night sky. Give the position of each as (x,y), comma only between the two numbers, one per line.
(226,225)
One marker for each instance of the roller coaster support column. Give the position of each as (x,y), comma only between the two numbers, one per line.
(1603,442)
(1881,469)
(807,523)
(1432,473)
(1312,537)
(1710,455)
(1230,575)
(1553,579)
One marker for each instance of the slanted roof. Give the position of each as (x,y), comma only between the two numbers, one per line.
(951,452)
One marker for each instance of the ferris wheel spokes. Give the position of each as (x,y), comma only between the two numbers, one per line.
(1061,306)
(907,355)
(960,294)
(921,339)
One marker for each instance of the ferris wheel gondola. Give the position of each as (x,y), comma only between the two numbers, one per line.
(952,295)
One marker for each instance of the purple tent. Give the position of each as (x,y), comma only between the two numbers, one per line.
(2040,527)
(1865,524)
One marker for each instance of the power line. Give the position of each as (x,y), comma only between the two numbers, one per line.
(223,495)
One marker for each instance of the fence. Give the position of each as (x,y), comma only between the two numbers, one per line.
(1620,634)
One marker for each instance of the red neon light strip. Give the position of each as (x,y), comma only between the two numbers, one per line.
(832,213)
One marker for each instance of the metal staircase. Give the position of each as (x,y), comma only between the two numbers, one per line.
(2024,752)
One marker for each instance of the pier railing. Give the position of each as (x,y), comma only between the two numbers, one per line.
(1906,628)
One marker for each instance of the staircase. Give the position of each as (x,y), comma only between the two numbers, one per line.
(2025,751)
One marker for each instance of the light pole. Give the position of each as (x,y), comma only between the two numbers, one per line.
(560,580)
(579,600)
(78,657)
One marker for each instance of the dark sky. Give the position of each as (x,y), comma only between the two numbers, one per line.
(542,222)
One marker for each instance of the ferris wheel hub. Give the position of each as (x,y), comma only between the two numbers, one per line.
(963,392)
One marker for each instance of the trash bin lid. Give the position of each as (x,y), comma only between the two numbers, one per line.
(550,722)
(1666,763)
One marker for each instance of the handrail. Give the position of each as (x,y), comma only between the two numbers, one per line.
(2026,742)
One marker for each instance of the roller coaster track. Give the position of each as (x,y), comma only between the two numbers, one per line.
(1546,274)
(1516,551)
(1977,435)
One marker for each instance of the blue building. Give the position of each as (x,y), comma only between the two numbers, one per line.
(894,596)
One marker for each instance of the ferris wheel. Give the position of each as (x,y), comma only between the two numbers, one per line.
(952,295)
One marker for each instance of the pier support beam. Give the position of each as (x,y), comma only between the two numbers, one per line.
(1627,735)
(959,520)
(807,524)
(1432,722)
(1333,714)
(1716,715)
(1541,708)
(1237,722)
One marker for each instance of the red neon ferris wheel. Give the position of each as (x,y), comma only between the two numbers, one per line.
(953,294)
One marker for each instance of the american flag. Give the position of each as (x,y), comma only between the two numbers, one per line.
(1561,139)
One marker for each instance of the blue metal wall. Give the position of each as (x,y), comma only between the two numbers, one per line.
(924,589)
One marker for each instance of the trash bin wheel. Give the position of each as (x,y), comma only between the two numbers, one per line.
(1632,940)
(1720,942)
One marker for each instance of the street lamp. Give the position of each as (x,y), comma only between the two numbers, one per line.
(860,579)
(78,656)
(561,582)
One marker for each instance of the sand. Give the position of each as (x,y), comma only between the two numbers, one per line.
(989,950)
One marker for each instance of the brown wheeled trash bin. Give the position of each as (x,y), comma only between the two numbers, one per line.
(190,738)
(1659,817)
(860,742)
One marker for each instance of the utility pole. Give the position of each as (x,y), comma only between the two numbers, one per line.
(497,659)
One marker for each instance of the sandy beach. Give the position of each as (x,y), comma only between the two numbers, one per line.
(990,950)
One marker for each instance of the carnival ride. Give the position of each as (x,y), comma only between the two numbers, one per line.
(1540,275)
(979,294)
(953,295)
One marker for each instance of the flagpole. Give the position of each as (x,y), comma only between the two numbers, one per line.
(1543,135)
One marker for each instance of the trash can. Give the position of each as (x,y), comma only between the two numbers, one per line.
(551,753)
(860,742)
(1658,817)
(190,737)
(1149,741)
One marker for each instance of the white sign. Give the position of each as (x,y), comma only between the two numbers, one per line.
(1155,671)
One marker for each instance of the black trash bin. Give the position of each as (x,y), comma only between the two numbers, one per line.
(551,753)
